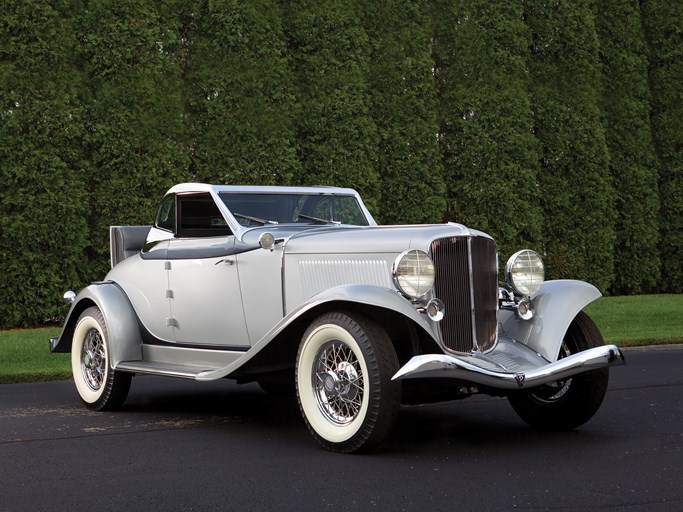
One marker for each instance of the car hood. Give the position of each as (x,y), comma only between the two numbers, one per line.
(355,239)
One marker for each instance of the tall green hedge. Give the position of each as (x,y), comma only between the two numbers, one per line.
(403,106)
(626,107)
(336,135)
(43,231)
(576,189)
(134,114)
(486,134)
(663,22)
(241,104)
(550,124)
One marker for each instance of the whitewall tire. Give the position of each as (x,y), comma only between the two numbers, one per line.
(343,379)
(99,387)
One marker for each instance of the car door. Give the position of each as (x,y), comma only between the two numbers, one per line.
(205,301)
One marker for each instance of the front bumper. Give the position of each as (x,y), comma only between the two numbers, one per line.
(511,365)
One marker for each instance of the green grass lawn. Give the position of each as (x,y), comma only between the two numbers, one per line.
(639,320)
(25,356)
(625,321)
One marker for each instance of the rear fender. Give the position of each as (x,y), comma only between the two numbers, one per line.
(556,304)
(125,341)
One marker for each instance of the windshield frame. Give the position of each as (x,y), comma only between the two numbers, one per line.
(298,207)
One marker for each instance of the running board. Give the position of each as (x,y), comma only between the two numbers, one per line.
(167,370)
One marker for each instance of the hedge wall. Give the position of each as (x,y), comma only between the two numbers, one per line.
(43,181)
(550,124)
(402,96)
(625,105)
(577,196)
(490,154)
(663,21)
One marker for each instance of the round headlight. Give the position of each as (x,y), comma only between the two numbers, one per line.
(524,272)
(414,273)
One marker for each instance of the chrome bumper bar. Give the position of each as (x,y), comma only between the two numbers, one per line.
(510,366)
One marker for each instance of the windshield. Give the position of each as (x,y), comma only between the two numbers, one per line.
(261,209)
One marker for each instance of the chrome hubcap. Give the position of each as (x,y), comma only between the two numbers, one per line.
(338,382)
(93,359)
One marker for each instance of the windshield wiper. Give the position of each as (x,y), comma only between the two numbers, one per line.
(317,220)
(262,222)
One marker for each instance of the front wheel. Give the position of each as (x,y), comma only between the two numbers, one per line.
(100,387)
(343,379)
(568,403)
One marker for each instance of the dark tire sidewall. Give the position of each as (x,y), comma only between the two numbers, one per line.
(585,392)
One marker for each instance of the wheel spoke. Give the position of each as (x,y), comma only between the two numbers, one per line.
(338,382)
(93,360)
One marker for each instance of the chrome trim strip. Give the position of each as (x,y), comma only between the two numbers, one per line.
(473,308)
(485,373)
(180,371)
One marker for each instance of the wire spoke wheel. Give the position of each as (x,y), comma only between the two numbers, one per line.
(99,386)
(93,359)
(554,391)
(338,382)
(343,378)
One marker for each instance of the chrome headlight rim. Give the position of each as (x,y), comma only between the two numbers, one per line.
(413,273)
(525,272)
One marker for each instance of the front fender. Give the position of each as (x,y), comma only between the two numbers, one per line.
(125,341)
(353,293)
(370,296)
(556,304)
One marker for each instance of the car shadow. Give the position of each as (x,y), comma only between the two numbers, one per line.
(471,426)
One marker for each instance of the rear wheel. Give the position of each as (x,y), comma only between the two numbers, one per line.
(100,387)
(343,378)
(569,403)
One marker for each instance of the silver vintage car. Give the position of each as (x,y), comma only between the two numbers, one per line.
(299,290)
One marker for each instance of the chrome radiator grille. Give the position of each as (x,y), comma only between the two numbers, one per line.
(467,282)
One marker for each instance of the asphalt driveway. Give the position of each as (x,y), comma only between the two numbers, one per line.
(182,445)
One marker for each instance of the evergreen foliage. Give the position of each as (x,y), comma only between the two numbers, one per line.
(663,20)
(134,114)
(337,138)
(554,125)
(576,191)
(490,154)
(42,197)
(403,97)
(241,102)
(633,165)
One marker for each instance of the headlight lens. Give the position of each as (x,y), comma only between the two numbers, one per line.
(525,272)
(413,273)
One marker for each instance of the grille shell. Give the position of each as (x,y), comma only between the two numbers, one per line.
(466,280)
